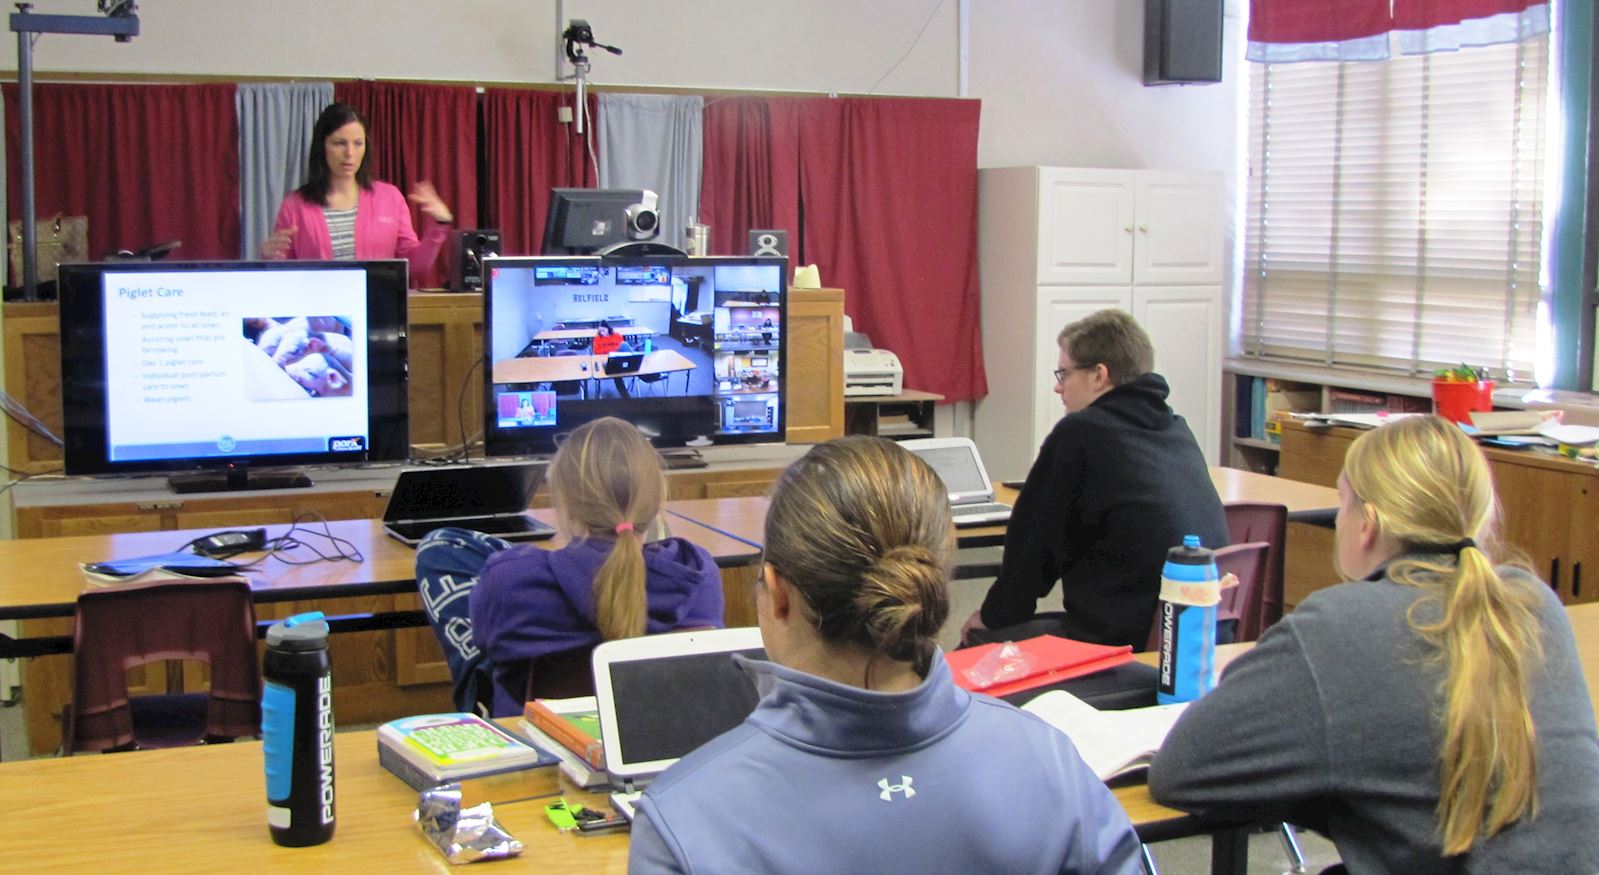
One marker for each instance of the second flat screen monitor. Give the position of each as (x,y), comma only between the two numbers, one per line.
(691,350)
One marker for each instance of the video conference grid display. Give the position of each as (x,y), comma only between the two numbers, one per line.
(568,337)
(235,363)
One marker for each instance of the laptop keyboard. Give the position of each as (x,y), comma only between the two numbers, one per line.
(986,509)
(502,525)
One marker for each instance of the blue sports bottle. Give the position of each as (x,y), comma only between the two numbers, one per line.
(1189,591)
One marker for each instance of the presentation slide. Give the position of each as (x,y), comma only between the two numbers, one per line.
(235,363)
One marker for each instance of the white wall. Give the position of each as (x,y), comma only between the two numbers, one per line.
(814,45)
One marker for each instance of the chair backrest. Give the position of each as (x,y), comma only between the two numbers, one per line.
(120,627)
(1248,522)
(1249,563)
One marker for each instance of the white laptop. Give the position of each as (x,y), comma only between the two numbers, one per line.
(662,696)
(971,493)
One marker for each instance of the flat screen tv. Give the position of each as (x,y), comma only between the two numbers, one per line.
(225,368)
(691,350)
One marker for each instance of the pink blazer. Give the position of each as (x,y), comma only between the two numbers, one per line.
(382,229)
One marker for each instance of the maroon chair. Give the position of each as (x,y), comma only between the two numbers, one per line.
(1246,523)
(120,627)
(1239,603)
(1249,563)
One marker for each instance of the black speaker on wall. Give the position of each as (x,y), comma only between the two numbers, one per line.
(1182,41)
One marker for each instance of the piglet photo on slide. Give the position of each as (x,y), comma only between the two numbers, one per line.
(290,358)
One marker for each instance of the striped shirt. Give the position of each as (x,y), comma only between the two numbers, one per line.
(341,230)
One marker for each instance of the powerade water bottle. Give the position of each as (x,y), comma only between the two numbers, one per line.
(297,731)
(649,345)
(1189,591)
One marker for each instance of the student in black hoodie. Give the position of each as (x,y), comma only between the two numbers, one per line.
(1118,481)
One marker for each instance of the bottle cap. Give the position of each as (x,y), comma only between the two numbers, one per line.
(308,631)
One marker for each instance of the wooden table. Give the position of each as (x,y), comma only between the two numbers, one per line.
(582,333)
(53,580)
(745,518)
(203,810)
(561,368)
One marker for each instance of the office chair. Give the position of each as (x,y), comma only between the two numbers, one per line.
(117,628)
(568,387)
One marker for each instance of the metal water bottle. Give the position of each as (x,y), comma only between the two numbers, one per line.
(297,731)
(1189,591)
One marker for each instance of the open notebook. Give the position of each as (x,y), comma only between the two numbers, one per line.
(1111,742)
(662,696)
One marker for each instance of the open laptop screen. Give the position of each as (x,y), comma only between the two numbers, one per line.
(666,707)
(957,467)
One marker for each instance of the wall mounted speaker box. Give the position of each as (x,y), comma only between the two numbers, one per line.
(467,251)
(1182,41)
(765,241)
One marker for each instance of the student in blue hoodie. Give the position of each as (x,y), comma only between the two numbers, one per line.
(495,604)
(863,756)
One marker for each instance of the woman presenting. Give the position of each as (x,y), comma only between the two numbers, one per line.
(342,213)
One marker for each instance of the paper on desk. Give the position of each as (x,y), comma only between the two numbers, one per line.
(1110,742)
(1359,420)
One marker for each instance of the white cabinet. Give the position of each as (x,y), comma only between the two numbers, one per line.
(1057,244)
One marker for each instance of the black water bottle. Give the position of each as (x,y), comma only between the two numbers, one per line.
(297,731)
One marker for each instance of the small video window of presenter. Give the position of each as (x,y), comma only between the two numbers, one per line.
(291,358)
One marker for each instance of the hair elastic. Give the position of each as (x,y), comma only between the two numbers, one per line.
(623,527)
(1461,544)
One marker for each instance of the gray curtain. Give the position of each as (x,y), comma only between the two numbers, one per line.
(275,122)
(656,142)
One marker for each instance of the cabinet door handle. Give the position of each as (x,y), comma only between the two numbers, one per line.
(1554,574)
(1144,228)
(1127,228)
(1576,580)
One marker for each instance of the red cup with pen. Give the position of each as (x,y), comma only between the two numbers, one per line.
(1459,392)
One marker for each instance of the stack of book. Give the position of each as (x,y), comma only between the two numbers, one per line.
(492,764)
(569,728)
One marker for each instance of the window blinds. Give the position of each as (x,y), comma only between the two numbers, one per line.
(1395,210)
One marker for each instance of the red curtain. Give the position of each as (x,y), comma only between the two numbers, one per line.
(750,173)
(1316,21)
(422,133)
(145,163)
(1418,14)
(528,150)
(889,194)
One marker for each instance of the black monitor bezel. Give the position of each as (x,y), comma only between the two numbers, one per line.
(499,442)
(84,384)
(564,200)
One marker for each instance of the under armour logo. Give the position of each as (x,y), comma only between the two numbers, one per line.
(904,786)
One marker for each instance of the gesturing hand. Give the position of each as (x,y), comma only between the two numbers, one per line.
(426,197)
(276,246)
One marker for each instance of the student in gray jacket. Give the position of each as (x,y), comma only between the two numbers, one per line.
(1431,717)
(863,756)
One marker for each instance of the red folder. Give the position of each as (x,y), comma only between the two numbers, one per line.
(1054,659)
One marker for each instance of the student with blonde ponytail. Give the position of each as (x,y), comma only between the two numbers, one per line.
(1430,717)
(863,756)
(500,606)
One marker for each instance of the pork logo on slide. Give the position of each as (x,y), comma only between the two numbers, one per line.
(354,444)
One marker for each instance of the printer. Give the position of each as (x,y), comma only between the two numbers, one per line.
(872,372)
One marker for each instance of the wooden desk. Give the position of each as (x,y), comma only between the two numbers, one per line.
(558,368)
(906,415)
(745,518)
(582,333)
(203,810)
(385,669)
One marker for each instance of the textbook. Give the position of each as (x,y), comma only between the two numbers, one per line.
(433,749)
(573,722)
(1054,659)
(575,768)
(1111,742)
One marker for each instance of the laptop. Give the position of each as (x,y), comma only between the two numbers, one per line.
(971,493)
(492,499)
(624,363)
(661,696)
